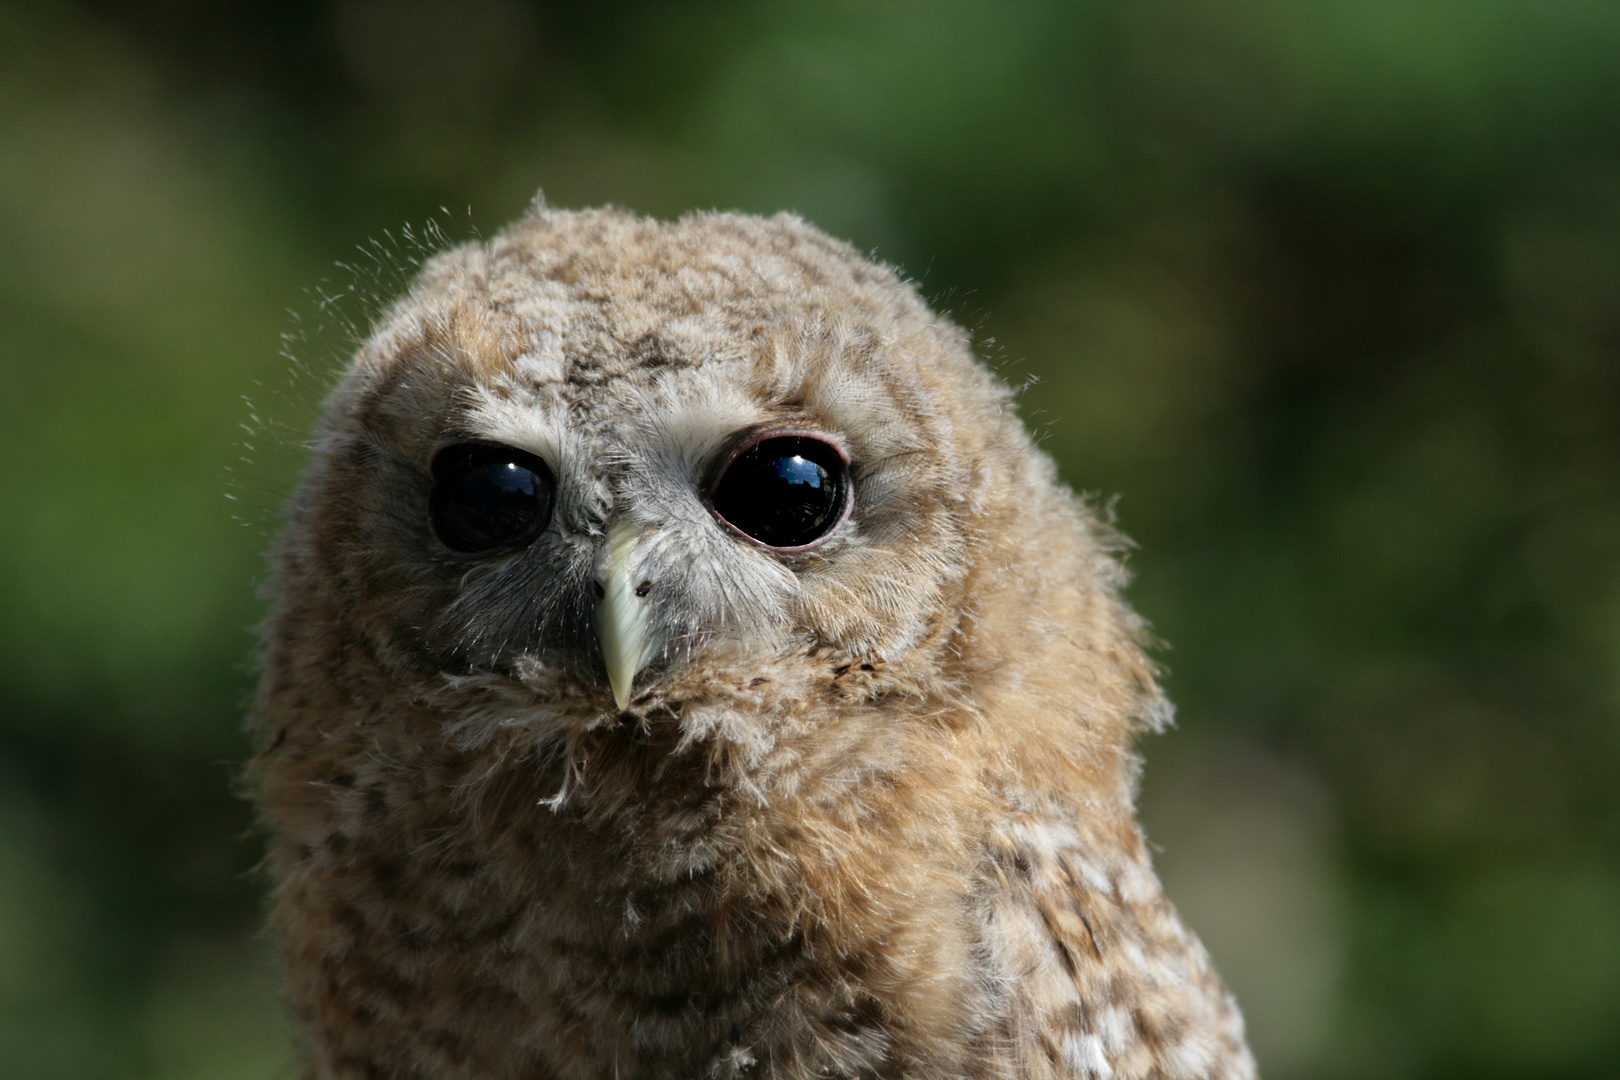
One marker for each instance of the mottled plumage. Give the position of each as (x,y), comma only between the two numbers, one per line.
(868,809)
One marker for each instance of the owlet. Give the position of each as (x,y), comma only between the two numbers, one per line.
(683,665)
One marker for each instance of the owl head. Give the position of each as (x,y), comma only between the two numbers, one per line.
(718,467)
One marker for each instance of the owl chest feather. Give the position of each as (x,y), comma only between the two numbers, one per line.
(656,921)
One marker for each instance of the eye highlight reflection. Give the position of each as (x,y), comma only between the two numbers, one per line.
(787,492)
(488,497)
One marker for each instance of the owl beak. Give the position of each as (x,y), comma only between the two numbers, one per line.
(623,619)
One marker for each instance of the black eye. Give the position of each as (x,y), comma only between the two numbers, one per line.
(487,497)
(787,491)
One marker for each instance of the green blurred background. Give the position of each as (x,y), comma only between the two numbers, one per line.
(1327,293)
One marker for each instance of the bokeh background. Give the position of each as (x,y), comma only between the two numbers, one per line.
(1326,293)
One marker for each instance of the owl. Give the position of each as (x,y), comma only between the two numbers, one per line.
(682,663)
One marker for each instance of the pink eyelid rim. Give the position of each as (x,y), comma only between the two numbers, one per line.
(783,433)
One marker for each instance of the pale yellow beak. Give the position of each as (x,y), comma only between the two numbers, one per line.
(623,619)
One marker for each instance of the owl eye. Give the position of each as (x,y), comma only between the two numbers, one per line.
(785,491)
(487,497)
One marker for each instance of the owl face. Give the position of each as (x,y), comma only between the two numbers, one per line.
(668,469)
